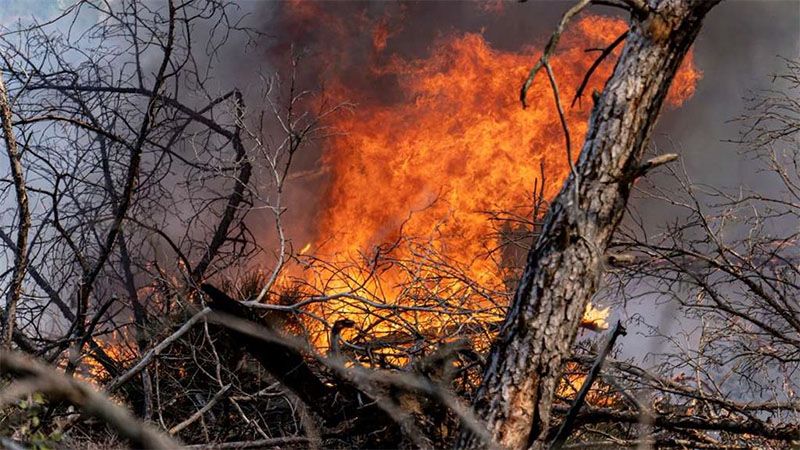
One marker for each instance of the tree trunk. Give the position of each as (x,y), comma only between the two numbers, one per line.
(564,268)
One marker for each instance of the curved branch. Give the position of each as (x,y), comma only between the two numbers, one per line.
(51,382)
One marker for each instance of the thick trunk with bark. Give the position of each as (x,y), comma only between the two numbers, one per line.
(564,268)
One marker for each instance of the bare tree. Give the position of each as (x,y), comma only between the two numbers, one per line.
(129,154)
(111,205)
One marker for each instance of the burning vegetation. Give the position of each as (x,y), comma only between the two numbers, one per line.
(434,192)
(376,245)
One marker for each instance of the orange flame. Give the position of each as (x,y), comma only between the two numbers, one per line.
(116,346)
(457,144)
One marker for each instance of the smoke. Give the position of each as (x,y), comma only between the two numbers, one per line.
(739,48)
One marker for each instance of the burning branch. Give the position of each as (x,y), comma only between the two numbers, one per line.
(353,382)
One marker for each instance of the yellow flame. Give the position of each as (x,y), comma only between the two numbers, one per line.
(595,318)
(305,248)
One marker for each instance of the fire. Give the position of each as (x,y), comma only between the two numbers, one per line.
(601,394)
(595,318)
(420,171)
(305,249)
(115,345)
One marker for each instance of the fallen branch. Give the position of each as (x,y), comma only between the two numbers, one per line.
(56,385)
(261,443)
(781,432)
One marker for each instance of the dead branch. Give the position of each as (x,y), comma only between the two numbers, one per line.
(199,413)
(569,421)
(603,55)
(261,443)
(55,384)
(21,251)
(131,180)
(782,432)
(550,48)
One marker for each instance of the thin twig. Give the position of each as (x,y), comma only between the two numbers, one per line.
(564,125)
(199,413)
(550,48)
(145,360)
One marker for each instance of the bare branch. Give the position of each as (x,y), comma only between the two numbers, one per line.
(21,251)
(57,385)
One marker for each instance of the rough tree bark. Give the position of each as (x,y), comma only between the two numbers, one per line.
(564,268)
